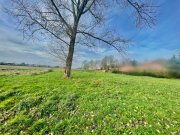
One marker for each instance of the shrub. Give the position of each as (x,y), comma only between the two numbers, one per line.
(50,70)
(169,74)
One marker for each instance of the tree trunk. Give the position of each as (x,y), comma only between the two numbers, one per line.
(67,70)
(71,49)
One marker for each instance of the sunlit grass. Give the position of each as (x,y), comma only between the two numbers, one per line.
(90,102)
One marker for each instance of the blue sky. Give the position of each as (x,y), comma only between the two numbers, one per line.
(160,41)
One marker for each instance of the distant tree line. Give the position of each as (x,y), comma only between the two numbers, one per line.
(109,62)
(174,62)
(23,64)
(106,63)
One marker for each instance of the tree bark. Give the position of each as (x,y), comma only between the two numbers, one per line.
(67,71)
(71,48)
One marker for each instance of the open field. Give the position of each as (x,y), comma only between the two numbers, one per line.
(91,102)
(22,70)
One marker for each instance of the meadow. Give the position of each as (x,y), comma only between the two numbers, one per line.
(41,101)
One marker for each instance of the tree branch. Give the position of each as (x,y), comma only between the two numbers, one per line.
(61,17)
(114,42)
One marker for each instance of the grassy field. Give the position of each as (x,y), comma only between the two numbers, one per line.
(23,70)
(91,102)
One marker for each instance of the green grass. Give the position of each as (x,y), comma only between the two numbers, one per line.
(89,103)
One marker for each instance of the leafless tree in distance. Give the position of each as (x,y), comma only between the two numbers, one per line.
(76,22)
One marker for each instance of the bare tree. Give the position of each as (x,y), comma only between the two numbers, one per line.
(74,22)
